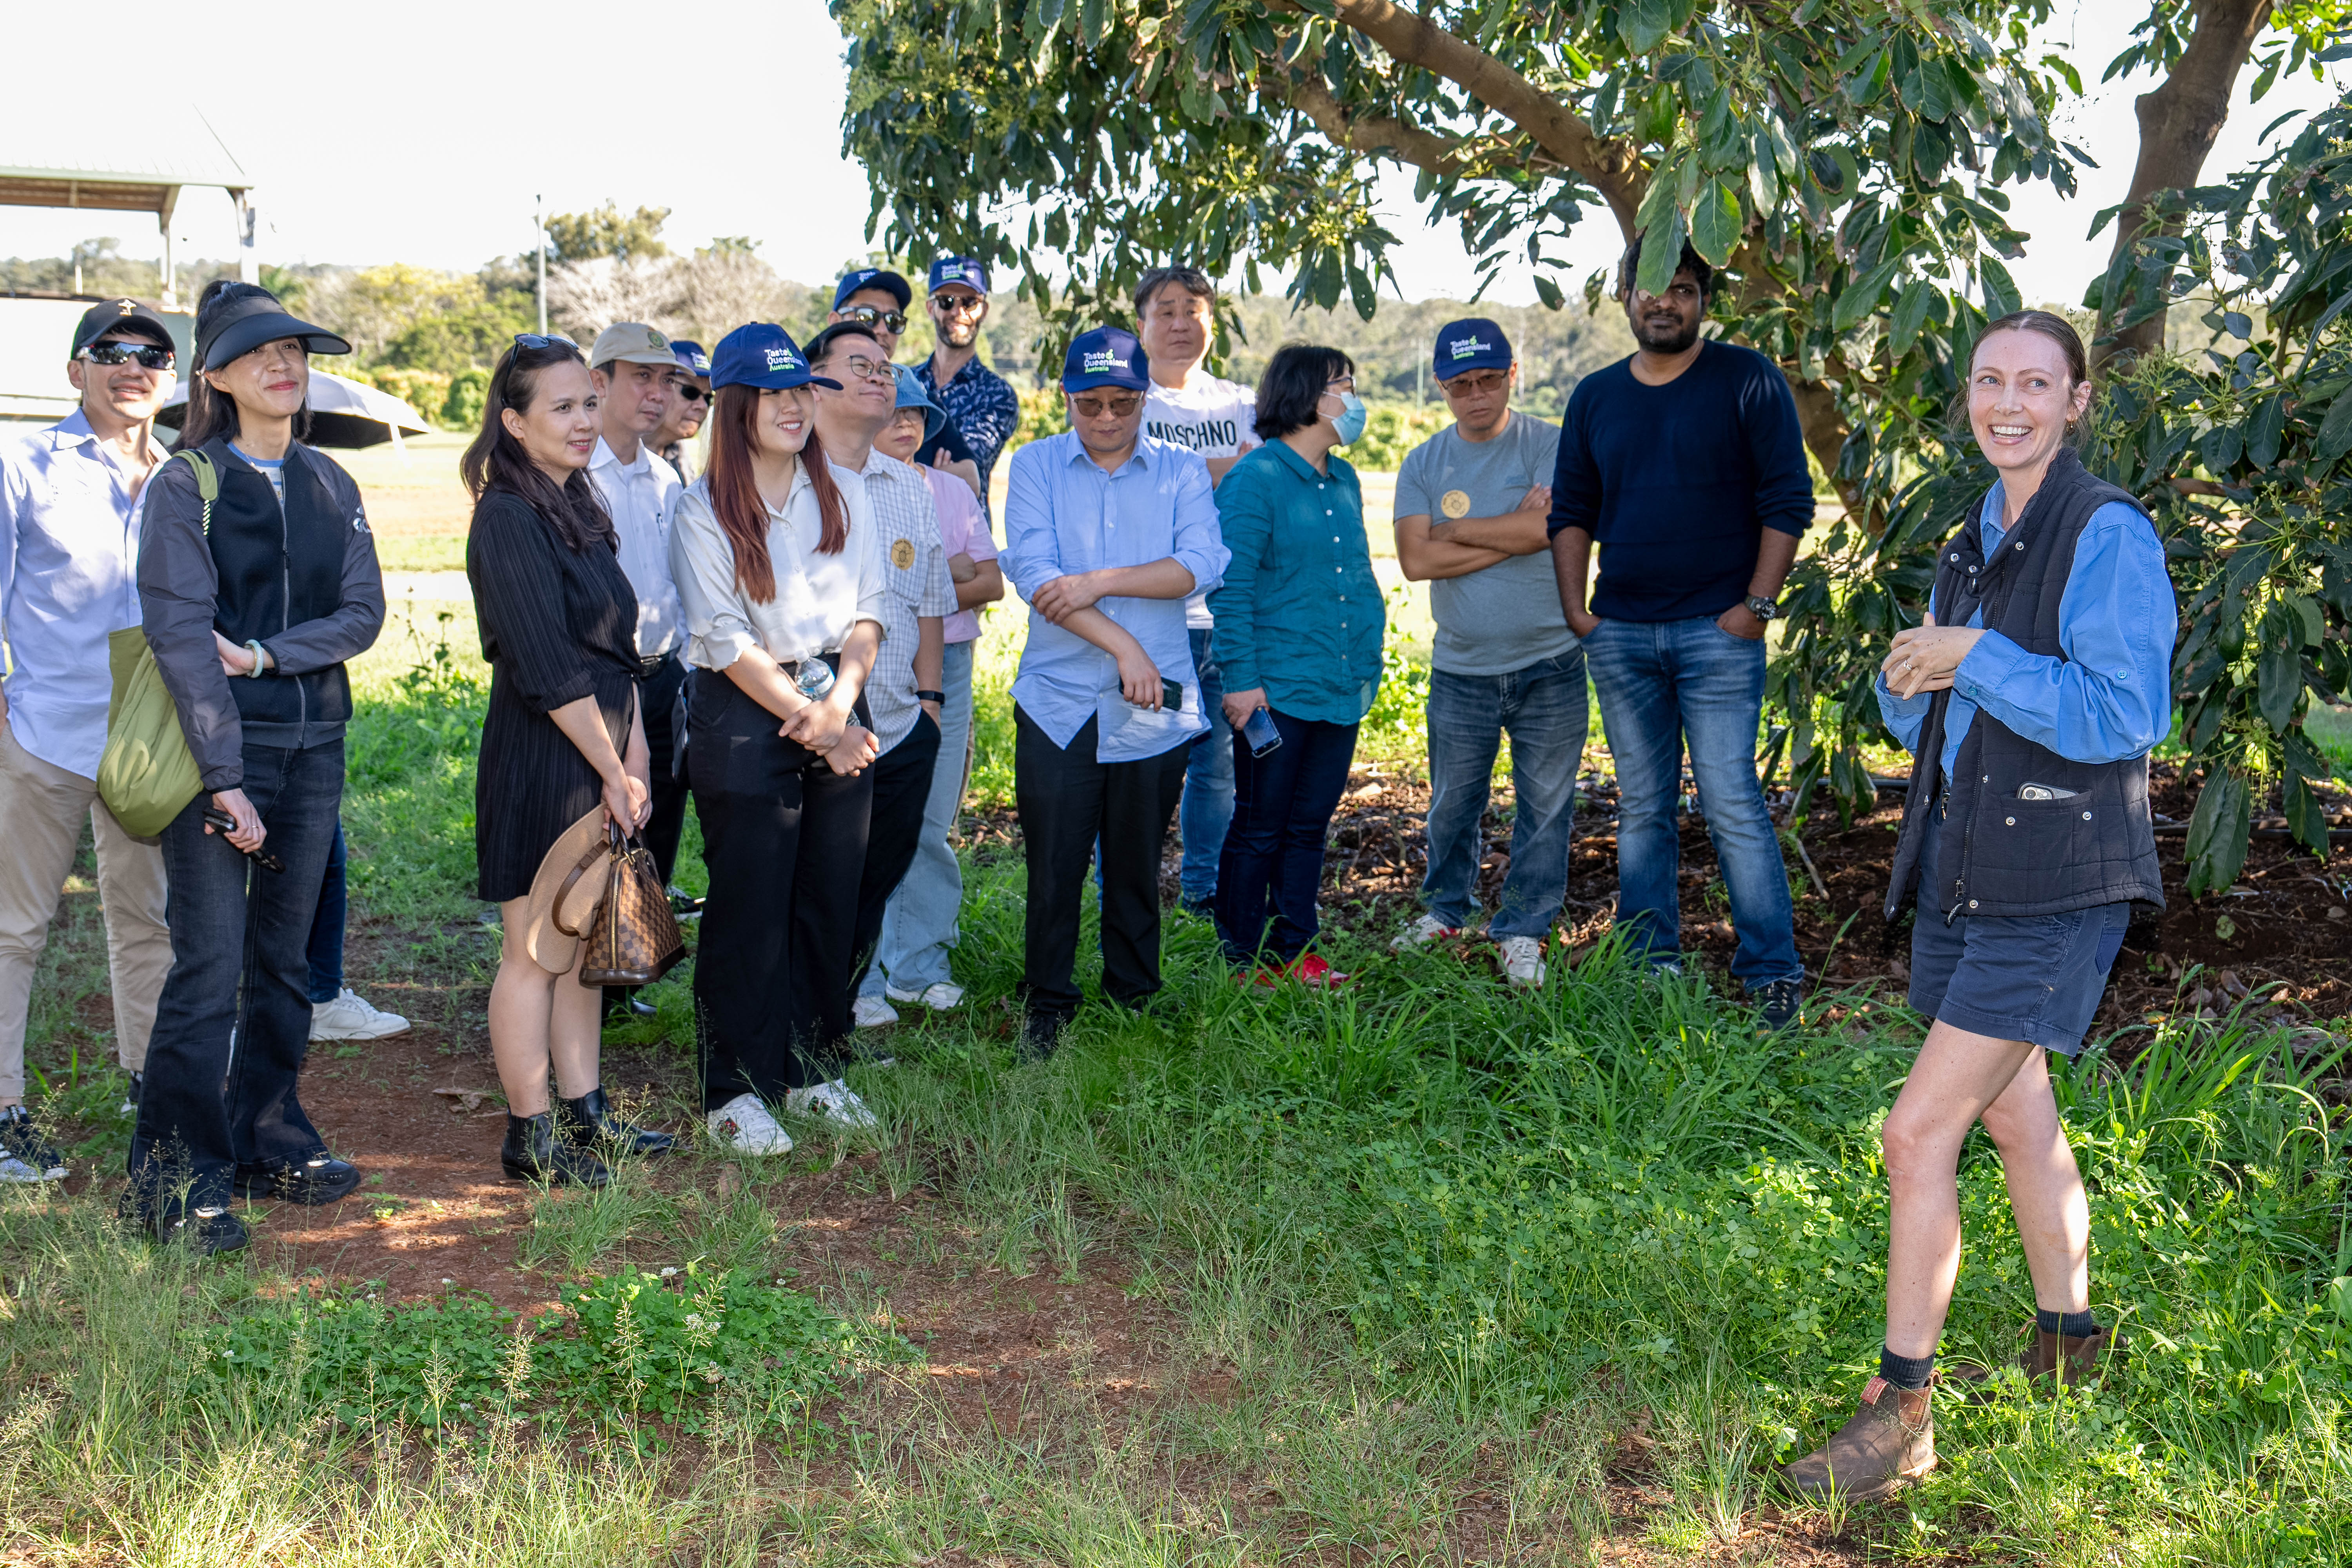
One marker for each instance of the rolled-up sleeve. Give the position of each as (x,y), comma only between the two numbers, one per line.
(1199,534)
(1032,555)
(358,617)
(702,564)
(1903,716)
(2110,698)
(1245,524)
(179,591)
(518,593)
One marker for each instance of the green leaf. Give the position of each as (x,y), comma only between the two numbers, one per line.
(1644,24)
(1548,291)
(1763,172)
(2307,813)
(1361,292)
(1716,224)
(2278,665)
(1935,92)
(2312,618)
(2335,433)
(2262,435)
(2001,297)
(2217,832)
(1910,312)
(1861,295)
(2222,448)
(1661,250)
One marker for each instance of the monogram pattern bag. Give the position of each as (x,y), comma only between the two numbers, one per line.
(632,936)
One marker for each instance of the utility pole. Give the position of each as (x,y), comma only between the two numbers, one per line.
(538,216)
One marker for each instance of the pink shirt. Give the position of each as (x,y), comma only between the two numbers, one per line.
(964,531)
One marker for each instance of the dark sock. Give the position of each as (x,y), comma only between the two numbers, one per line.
(2074,1325)
(1905,1371)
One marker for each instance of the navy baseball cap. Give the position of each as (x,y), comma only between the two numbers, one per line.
(1108,356)
(1463,347)
(897,288)
(762,354)
(969,270)
(691,357)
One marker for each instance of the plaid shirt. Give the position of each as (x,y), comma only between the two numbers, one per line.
(982,406)
(905,540)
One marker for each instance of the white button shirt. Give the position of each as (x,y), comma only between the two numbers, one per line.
(819,598)
(69,575)
(642,497)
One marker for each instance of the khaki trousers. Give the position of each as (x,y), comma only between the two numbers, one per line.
(42,808)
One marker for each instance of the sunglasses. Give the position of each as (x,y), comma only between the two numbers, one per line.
(1120,407)
(867,316)
(690,392)
(957,304)
(149,356)
(536,341)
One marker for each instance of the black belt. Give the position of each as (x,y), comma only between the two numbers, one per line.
(653,665)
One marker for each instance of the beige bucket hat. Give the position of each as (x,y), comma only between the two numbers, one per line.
(548,946)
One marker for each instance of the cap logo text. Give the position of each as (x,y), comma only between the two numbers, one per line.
(1463,348)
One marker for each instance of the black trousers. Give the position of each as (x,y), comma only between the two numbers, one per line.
(1066,800)
(902,787)
(784,836)
(1273,857)
(658,693)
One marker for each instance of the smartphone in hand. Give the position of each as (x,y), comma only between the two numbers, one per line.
(1261,733)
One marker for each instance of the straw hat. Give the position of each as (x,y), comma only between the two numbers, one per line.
(549,947)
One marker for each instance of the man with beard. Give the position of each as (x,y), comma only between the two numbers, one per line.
(977,400)
(1685,463)
(877,299)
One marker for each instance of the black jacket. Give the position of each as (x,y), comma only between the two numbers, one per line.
(1997,853)
(302,580)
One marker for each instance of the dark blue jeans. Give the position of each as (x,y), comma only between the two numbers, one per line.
(326,946)
(1273,859)
(1545,710)
(1660,683)
(1208,808)
(237,1005)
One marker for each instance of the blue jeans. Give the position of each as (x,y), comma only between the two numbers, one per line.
(1208,807)
(1544,710)
(236,1005)
(919,923)
(1283,804)
(326,949)
(1659,683)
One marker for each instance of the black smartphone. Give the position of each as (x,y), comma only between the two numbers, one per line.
(1171,693)
(226,825)
(1260,733)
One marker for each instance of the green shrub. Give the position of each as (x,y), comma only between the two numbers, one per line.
(1043,414)
(426,391)
(469,394)
(1391,431)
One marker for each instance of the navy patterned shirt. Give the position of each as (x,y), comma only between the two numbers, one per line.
(982,406)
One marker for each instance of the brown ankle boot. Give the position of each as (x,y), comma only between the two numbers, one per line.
(1888,1443)
(2047,1361)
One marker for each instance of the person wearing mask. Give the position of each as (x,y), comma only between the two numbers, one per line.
(877,299)
(1684,462)
(70,498)
(972,397)
(890,508)
(784,606)
(252,602)
(633,368)
(1175,313)
(918,925)
(1471,504)
(689,400)
(2029,697)
(1107,530)
(559,626)
(1299,622)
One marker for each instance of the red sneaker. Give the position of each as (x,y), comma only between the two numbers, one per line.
(1312,970)
(1257,979)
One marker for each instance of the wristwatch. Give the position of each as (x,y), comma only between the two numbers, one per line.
(1763,608)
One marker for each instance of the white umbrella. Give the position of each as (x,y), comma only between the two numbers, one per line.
(343,413)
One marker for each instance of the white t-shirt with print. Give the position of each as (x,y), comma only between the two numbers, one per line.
(1212,417)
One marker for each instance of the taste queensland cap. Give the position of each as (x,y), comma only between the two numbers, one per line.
(969,270)
(762,354)
(880,278)
(1108,356)
(1474,344)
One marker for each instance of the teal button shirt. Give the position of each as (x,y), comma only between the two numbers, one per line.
(1299,613)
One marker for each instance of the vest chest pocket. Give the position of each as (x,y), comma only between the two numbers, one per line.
(2039,837)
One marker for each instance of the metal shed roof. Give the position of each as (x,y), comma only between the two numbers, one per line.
(46,160)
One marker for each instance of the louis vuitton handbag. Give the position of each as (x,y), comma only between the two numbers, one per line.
(633,937)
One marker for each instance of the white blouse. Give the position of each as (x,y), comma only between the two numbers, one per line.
(819,598)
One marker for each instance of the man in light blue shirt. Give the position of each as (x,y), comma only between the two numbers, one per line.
(1105,532)
(70,498)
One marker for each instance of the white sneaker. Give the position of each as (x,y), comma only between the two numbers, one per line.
(744,1125)
(836,1102)
(943,996)
(872,1013)
(349,1018)
(1423,931)
(12,1169)
(1523,961)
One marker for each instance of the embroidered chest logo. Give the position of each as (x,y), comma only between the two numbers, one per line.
(902,553)
(1454,503)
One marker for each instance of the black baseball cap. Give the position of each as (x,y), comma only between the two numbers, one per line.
(242,321)
(120,316)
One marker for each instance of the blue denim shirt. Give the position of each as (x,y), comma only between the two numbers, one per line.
(2111,697)
(1064,514)
(1300,613)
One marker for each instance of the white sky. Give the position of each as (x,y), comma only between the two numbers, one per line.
(423,133)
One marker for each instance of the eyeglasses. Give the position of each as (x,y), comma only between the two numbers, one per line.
(864,369)
(149,356)
(867,316)
(1118,408)
(957,304)
(690,392)
(1475,384)
(536,341)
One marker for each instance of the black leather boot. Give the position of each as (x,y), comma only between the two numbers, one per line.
(588,1122)
(533,1153)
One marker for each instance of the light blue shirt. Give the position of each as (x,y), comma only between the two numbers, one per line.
(69,575)
(2111,697)
(1062,515)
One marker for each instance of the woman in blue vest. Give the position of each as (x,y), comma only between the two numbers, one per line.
(2030,698)
(252,600)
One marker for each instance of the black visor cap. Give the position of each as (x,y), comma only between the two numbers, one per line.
(244,325)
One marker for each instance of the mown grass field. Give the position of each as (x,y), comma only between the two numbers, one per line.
(1443,1273)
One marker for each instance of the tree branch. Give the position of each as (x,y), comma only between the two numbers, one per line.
(1370,133)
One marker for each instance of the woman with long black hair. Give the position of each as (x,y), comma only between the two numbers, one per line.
(784,610)
(252,599)
(564,734)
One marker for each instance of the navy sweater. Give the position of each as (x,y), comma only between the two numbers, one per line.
(1676,483)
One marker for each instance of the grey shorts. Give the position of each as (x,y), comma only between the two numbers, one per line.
(2037,978)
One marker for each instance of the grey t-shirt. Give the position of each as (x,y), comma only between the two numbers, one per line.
(1506,617)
